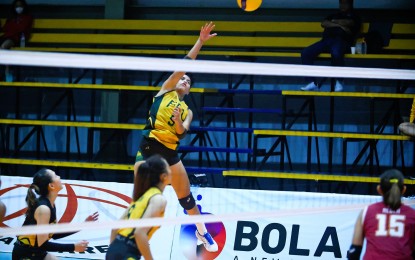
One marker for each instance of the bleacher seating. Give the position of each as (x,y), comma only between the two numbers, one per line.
(174,37)
(376,131)
(166,37)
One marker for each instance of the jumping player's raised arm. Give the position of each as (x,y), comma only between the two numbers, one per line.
(205,35)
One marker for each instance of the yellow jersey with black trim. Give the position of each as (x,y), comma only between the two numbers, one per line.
(160,125)
(136,211)
(412,115)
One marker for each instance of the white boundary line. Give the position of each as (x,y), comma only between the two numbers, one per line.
(117,62)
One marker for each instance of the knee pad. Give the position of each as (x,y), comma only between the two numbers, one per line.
(188,202)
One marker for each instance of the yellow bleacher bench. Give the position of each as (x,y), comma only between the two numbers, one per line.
(346,94)
(304,176)
(70,164)
(174,37)
(94,86)
(30,122)
(344,135)
(253,176)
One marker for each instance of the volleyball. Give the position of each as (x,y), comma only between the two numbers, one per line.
(249,5)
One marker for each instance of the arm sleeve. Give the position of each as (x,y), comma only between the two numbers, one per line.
(182,135)
(55,247)
(354,252)
(62,235)
(412,116)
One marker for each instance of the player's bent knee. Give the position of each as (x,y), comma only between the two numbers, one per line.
(188,202)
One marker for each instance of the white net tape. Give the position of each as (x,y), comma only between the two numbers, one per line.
(202,66)
(63,228)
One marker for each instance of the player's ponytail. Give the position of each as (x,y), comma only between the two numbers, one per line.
(31,197)
(141,182)
(39,187)
(394,198)
(148,175)
(391,184)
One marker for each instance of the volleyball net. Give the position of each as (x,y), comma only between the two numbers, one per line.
(113,62)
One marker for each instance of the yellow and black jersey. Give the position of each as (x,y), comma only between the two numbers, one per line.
(160,125)
(412,115)
(136,211)
(31,240)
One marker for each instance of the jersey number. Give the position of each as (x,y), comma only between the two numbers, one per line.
(390,225)
(171,122)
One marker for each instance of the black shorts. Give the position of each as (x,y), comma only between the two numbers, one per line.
(123,248)
(22,251)
(149,147)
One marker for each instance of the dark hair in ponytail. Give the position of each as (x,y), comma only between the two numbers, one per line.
(391,184)
(148,175)
(40,185)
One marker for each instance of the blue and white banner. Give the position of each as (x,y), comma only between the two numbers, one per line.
(303,225)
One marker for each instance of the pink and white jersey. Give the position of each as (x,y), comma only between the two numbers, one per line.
(389,234)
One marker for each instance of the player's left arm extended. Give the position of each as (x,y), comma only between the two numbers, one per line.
(205,35)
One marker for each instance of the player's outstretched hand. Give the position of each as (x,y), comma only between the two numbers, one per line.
(81,246)
(205,32)
(92,217)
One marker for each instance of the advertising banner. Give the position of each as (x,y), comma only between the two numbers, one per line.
(266,225)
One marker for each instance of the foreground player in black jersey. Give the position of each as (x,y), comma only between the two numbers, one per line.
(41,210)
